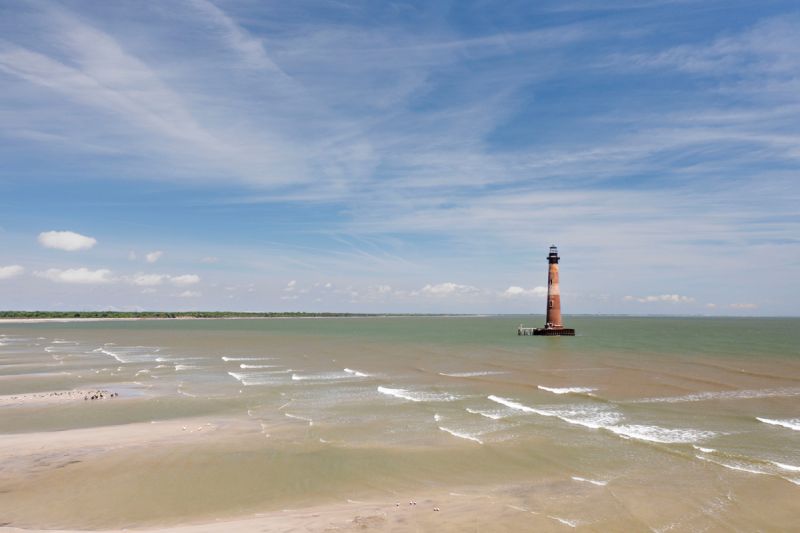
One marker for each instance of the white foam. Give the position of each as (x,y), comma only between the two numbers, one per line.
(725,395)
(789,423)
(567,390)
(494,415)
(592,481)
(225,358)
(472,374)
(590,416)
(729,466)
(257,366)
(437,417)
(325,376)
(416,396)
(112,354)
(356,373)
(661,435)
(570,523)
(297,417)
(461,435)
(515,405)
(704,450)
(784,466)
(255,378)
(178,368)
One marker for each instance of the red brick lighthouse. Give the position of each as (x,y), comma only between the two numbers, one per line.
(553,326)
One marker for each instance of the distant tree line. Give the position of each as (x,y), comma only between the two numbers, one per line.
(179,314)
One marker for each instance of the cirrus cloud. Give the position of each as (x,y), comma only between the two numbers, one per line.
(66,240)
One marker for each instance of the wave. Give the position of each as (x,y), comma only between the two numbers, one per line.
(461,435)
(725,395)
(788,423)
(592,481)
(416,396)
(178,368)
(356,373)
(661,435)
(732,466)
(570,523)
(257,366)
(603,417)
(226,358)
(567,390)
(298,417)
(704,450)
(257,378)
(472,374)
(494,415)
(784,466)
(590,416)
(325,376)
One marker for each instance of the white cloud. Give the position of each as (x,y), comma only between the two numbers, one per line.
(154,256)
(190,294)
(77,275)
(743,306)
(186,279)
(149,290)
(514,292)
(290,286)
(7,272)
(448,288)
(147,280)
(671,298)
(66,240)
(210,259)
(132,255)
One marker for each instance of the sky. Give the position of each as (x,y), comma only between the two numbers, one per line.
(400,156)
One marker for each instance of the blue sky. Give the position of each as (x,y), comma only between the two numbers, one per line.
(400,156)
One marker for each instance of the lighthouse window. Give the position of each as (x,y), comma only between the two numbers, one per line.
(550,304)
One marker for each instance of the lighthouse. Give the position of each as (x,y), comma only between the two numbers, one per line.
(553,325)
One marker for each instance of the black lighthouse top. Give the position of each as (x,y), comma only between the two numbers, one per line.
(553,257)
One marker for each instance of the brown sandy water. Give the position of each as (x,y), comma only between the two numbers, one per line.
(655,424)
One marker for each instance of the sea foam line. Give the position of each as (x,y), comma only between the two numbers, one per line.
(461,435)
(789,423)
(592,481)
(472,374)
(257,366)
(327,376)
(417,396)
(487,414)
(567,390)
(297,417)
(356,373)
(597,418)
(724,395)
(226,358)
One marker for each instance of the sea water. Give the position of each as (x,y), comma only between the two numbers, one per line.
(667,422)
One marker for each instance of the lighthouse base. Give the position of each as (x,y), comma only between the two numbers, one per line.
(547,332)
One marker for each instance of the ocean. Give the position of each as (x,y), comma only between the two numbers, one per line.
(635,424)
